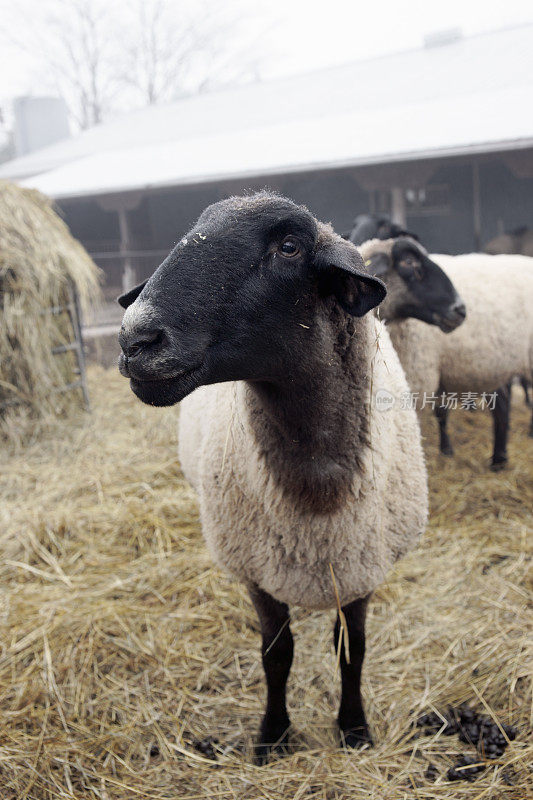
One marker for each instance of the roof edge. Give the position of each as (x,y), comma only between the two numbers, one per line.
(481,148)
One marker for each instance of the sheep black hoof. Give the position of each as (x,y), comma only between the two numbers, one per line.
(271,741)
(498,464)
(447,450)
(356,737)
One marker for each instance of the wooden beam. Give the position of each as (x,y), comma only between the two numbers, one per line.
(476,205)
(129,277)
(398,206)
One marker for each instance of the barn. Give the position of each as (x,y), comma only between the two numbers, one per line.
(440,137)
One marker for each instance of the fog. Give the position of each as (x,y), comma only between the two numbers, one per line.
(282,37)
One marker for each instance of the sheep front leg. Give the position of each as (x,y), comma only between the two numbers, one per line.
(277,651)
(351,719)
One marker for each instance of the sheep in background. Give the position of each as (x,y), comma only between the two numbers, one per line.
(416,286)
(305,488)
(517,242)
(420,349)
(494,343)
(376,226)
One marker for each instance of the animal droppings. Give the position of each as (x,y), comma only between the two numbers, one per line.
(466,768)
(206,747)
(478,730)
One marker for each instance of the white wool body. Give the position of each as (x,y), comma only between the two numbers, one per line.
(493,344)
(257,533)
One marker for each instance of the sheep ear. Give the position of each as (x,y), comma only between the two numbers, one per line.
(343,274)
(130,297)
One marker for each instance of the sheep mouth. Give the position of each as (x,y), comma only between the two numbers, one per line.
(447,324)
(166,391)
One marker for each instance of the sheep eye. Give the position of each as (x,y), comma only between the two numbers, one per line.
(289,247)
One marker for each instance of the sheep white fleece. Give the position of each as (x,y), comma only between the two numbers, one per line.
(495,341)
(257,532)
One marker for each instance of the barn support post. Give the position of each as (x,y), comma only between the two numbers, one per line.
(121,204)
(129,277)
(398,206)
(476,205)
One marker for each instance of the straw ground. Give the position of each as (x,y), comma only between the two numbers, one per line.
(127,661)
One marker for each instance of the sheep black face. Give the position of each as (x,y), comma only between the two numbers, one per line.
(417,286)
(237,299)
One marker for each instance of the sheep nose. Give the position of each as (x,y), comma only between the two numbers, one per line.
(137,342)
(459,309)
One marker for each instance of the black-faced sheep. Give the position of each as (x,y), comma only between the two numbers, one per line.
(475,357)
(479,358)
(305,487)
(416,286)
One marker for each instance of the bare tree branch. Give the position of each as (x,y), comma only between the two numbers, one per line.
(175,51)
(102,58)
(71,40)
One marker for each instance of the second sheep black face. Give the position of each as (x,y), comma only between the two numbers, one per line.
(236,299)
(417,287)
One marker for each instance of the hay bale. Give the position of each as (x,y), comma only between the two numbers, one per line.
(40,266)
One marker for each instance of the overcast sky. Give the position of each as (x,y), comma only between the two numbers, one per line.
(352,30)
(299,35)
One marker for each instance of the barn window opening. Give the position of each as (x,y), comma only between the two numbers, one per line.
(427,200)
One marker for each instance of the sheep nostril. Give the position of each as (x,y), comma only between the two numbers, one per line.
(134,350)
(459,309)
(144,341)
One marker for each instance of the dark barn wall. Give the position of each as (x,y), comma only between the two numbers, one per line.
(98,231)
(141,227)
(450,230)
(334,197)
(506,203)
(506,200)
(89,223)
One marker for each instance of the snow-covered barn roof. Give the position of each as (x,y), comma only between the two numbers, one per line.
(472,95)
